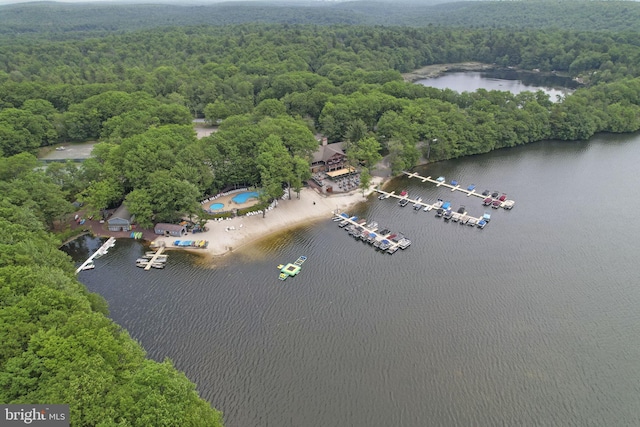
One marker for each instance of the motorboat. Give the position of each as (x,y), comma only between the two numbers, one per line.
(89,266)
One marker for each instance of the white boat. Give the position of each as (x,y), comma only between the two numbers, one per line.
(143,262)
(89,266)
(159,258)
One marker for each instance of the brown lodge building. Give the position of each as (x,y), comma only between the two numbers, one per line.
(328,157)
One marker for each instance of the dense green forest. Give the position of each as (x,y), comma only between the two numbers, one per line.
(91,18)
(271,90)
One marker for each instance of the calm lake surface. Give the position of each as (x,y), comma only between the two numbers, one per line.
(503,80)
(532,321)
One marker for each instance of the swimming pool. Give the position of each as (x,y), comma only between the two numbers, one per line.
(216,206)
(243,197)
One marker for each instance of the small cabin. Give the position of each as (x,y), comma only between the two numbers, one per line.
(175,230)
(121,220)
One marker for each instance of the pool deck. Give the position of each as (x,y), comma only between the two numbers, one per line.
(229,204)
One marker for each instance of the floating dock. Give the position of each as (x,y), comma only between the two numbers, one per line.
(292,268)
(387,242)
(111,242)
(454,186)
(154,258)
(462,217)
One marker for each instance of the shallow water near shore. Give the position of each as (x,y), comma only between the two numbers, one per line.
(531,321)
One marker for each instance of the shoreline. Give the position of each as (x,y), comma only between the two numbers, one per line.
(228,236)
(436,70)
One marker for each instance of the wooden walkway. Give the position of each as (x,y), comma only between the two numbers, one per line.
(101,251)
(154,258)
(506,204)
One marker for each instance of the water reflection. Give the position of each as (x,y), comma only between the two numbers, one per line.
(504,80)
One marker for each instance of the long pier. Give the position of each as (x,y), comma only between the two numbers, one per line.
(506,204)
(101,251)
(154,258)
(464,217)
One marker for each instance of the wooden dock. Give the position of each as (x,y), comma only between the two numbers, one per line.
(506,204)
(430,206)
(154,258)
(393,246)
(101,251)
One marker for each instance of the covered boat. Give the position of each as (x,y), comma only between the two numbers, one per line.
(508,204)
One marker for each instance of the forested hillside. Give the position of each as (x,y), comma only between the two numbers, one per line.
(58,345)
(137,93)
(93,18)
(270,89)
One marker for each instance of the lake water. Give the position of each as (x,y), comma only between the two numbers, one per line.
(503,80)
(531,321)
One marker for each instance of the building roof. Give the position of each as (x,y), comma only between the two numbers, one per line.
(340,172)
(169,227)
(121,213)
(325,152)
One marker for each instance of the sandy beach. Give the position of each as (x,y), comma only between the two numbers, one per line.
(230,235)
